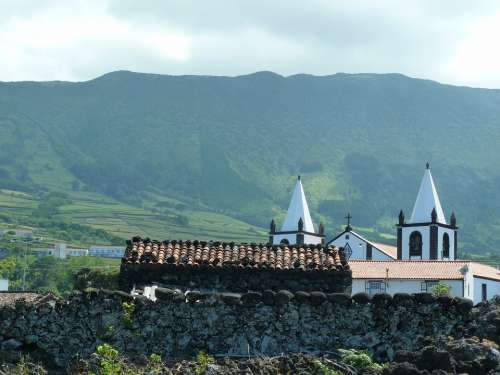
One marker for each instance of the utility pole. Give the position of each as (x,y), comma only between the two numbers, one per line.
(27,241)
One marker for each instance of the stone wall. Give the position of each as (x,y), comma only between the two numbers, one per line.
(254,323)
(231,280)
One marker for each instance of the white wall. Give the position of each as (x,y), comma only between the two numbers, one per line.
(424,231)
(451,234)
(4,285)
(292,239)
(407,286)
(492,288)
(358,247)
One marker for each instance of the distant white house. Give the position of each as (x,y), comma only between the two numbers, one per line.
(466,279)
(18,232)
(61,251)
(4,285)
(107,251)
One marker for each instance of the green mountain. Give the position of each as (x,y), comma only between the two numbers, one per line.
(180,147)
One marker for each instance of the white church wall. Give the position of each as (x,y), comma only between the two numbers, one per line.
(311,240)
(407,231)
(358,247)
(291,238)
(492,289)
(469,284)
(394,286)
(451,234)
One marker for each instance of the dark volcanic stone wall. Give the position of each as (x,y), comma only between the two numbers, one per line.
(231,280)
(254,323)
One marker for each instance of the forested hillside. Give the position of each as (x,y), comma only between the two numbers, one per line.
(180,147)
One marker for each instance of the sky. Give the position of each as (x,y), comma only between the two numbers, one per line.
(455,42)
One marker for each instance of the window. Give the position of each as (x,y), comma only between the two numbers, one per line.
(347,251)
(346,236)
(369,253)
(446,245)
(375,286)
(484,292)
(427,285)
(415,244)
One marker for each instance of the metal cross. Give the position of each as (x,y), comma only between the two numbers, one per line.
(348,217)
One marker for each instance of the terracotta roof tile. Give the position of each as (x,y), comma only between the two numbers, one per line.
(484,271)
(436,270)
(220,254)
(391,251)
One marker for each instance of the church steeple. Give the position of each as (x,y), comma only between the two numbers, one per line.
(298,209)
(298,226)
(427,201)
(427,236)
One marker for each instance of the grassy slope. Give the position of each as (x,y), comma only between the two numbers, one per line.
(125,221)
(230,147)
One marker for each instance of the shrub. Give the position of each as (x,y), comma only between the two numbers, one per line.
(128,313)
(202,362)
(441,289)
(360,360)
(323,369)
(110,364)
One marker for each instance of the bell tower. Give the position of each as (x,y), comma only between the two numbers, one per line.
(427,235)
(298,228)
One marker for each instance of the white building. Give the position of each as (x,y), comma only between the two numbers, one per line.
(107,251)
(61,251)
(358,247)
(4,285)
(466,279)
(426,253)
(427,235)
(298,227)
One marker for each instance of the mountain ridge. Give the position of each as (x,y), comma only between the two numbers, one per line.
(235,144)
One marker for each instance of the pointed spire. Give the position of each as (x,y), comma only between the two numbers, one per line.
(401,217)
(272,227)
(300,225)
(321,229)
(434,215)
(298,209)
(453,220)
(427,200)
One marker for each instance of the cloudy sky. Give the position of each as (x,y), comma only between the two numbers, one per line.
(451,41)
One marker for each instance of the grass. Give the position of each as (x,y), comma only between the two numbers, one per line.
(126,221)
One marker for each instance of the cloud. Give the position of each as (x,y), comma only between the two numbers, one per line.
(449,41)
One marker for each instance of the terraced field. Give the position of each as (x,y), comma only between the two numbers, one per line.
(125,220)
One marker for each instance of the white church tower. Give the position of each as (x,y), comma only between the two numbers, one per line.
(427,236)
(298,228)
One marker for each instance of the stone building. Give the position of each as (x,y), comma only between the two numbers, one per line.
(230,267)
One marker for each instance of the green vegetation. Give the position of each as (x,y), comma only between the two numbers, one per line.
(360,360)
(441,289)
(202,362)
(59,276)
(323,369)
(215,157)
(128,314)
(109,360)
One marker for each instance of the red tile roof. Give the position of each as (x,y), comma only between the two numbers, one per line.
(389,250)
(230,255)
(422,269)
(484,271)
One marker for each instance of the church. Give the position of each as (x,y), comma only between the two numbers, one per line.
(426,250)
